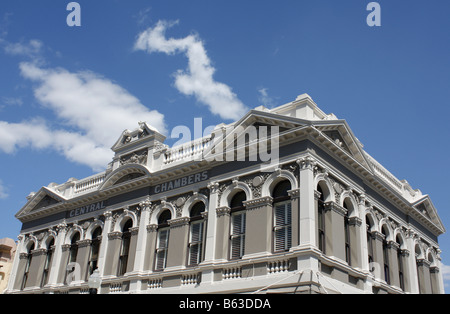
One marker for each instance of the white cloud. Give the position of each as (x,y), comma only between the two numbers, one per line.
(265,99)
(198,79)
(92,112)
(3,193)
(29,49)
(446,275)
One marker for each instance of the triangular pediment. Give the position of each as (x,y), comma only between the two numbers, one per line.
(426,209)
(336,134)
(44,199)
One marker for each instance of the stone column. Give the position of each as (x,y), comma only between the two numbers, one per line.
(36,268)
(222,233)
(211,223)
(23,261)
(84,252)
(307,217)
(406,271)
(393,248)
(356,242)
(412,274)
(423,270)
(140,251)
(65,251)
(112,255)
(152,233)
(104,245)
(178,243)
(258,235)
(307,203)
(132,249)
(378,256)
(434,274)
(335,230)
(142,237)
(57,261)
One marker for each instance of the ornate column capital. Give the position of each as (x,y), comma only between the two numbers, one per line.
(306,163)
(145,205)
(222,211)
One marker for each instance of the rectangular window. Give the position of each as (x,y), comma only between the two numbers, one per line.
(237,234)
(283,226)
(161,248)
(196,242)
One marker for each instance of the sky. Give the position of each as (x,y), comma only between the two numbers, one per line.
(68,92)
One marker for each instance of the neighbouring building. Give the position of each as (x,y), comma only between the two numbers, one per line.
(304,209)
(7,251)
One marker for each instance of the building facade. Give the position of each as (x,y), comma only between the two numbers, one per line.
(7,251)
(284,200)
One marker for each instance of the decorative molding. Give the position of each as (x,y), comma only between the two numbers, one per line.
(178,222)
(258,202)
(222,211)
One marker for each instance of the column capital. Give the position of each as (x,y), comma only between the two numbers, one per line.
(335,207)
(306,163)
(355,221)
(178,222)
(223,211)
(258,202)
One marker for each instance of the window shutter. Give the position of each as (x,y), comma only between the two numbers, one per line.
(238,235)
(161,251)
(196,243)
(282,229)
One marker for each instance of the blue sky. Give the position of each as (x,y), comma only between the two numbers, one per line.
(67,93)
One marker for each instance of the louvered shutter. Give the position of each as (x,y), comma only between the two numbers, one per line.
(282,228)
(161,251)
(238,235)
(196,243)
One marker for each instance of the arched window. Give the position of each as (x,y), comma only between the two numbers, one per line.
(238,220)
(282,230)
(401,274)
(162,244)
(125,247)
(321,220)
(196,234)
(95,249)
(48,262)
(387,276)
(27,266)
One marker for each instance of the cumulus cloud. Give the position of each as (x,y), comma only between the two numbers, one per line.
(446,275)
(91,111)
(198,79)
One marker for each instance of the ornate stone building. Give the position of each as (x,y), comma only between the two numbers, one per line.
(319,215)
